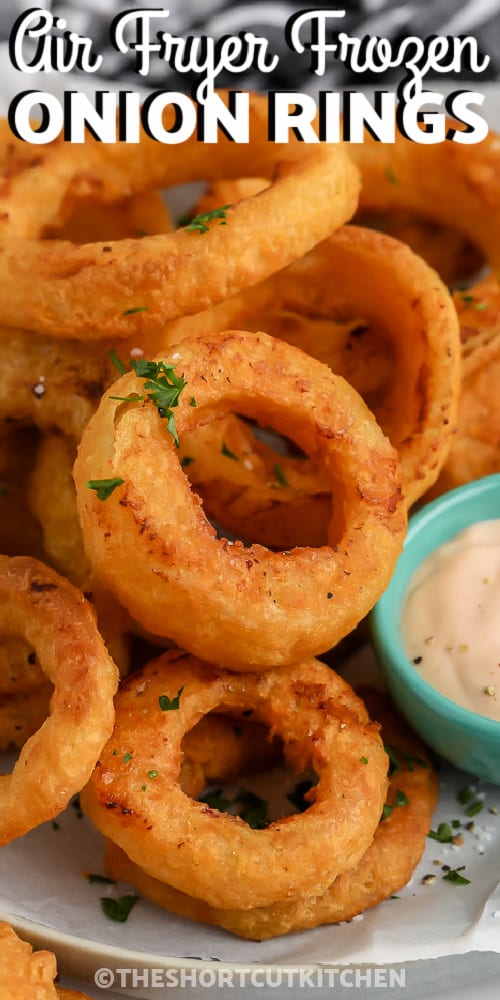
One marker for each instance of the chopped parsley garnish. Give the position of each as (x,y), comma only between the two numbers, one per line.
(364,760)
(170,704)
(135,309)
(398,758)
(201,223)
(163,387)
(101,879)
(298,796)
(465,795)
(127,757)
(118,909)
(118,363)
(400,799)
(187,460)
(192,401)
(475,808)
(152,774)
(104,487)
(454,876)
(55,825)
(280,475)
(228,453)
(468,299)
(443,834)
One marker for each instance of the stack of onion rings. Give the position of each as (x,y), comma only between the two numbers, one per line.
(383,870)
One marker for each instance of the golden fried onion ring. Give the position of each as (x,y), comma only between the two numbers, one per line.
(26,974)
(402,353)
(383,870)
(475,449)
(151,544)
(447,183)
(58,759)
(99,289)
(218,857)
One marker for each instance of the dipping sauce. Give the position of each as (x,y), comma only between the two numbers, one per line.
(451,619)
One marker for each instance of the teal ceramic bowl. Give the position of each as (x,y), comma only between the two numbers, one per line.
(468,740)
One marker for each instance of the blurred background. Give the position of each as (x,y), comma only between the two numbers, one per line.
(389,18)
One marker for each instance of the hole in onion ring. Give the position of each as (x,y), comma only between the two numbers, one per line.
(256,485)
(237,766)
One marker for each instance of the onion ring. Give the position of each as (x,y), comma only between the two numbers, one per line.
(475,450)
(101,290)
(57,760)
(383,870)
(26,973)
(402,352)
(21,714)
(447,183)
(218,857)
(271,608)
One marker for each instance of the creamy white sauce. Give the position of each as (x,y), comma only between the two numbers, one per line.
(451,619)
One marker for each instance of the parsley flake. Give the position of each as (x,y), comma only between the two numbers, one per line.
(118,363)
(135,309)
(104,487)
(163,387)
(152,774)
(118,909)
(400,799)
(465,795)
(100,879)
(443,834)
(475,808)
(187,460)
(127,757)
(280,475)
(200,223)
(170,704)
(454,876)
(228,453)
(363,760)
